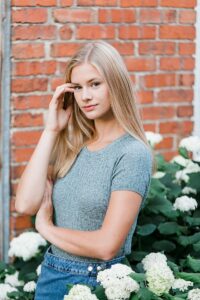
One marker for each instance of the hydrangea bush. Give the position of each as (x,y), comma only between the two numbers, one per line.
(164,262)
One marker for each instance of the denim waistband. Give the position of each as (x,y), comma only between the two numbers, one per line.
(62,264)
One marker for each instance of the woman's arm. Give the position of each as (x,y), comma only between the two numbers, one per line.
(31,186)
(103,243)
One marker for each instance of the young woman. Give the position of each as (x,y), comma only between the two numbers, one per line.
(94,149)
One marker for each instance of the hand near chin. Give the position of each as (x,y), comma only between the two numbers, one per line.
(44,215)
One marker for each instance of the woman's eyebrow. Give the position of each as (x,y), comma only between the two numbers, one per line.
(87,81)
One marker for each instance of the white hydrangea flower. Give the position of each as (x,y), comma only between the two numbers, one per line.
(181,176)
(121,288)
(154,258)
(192,167)
(13,279)
(26,245)
(29,286)
(160,279)
(6,288)
(80,292)
(185,203)
(158,175)
(153,138)
(194,294)
(187,190)
(181,284)
(191,143)
(38,270)
(180,160)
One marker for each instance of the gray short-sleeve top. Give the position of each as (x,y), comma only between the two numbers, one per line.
(81,197)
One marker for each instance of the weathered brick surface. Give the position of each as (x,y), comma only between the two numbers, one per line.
(155,38)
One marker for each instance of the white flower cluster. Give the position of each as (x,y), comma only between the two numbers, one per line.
(29,287)
(153,138)
(26,245)
(188,190)
(191,143)
(159,276)
(158,174)
(116,282)
(80,292)
(13,280)
(190,167)
(185,203)
(6,288)
(194,294)
(181,284)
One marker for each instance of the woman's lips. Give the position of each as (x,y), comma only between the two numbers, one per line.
(91,107)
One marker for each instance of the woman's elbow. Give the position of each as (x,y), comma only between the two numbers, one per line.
(21,209)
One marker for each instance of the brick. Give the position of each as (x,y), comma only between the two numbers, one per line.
(170,63)
(64,49)
(136,3)
(20,222)
(75,16)
(16,171)
(124,48)
(140,64)
(179,3)
(34,68)
(20,155)
(187,48)
(56,82)
(116,16)
(169,16)
(27,120)
(149,127)
(97,2)
(175,127)
(186,79)
(66,2)
(150,15)
(30,102)
(178,95)
(144,97)
(177,32)
(157,48)
(187,16)
(95,32)
(137,32)
(188,63)
(34,32)
(65,32)
(26,51)
(29,85)
(34,2)
(169,154)
(166,143)
(158,113)
(62,66)
(30,15)
(185,111)
(25,138)
(159,80)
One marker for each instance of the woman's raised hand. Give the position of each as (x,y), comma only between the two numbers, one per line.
(57,117)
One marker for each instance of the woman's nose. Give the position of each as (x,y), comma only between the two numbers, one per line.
(86,94)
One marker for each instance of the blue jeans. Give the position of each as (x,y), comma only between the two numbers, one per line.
(56,272)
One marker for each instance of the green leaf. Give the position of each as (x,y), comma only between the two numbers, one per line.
(144,294)
(189,240)
(183,152)
(194,264)
(138,255)
(173,266)
(196,247)
(194,277)
(193,221)
(146,229)
(139,277)
(194,181)
(164,245)
(168,228)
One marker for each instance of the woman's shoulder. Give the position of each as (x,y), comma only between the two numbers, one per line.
(134,146)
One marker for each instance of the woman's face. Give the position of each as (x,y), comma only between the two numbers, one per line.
(91,89)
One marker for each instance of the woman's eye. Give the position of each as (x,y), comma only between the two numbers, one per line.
(76,88)
(96,83)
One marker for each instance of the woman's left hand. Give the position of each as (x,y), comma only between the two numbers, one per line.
(45,213)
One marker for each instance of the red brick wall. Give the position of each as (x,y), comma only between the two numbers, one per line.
(155,37)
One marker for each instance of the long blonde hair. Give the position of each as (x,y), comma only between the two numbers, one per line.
(110,65)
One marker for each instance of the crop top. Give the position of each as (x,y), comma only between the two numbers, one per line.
(81,197)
